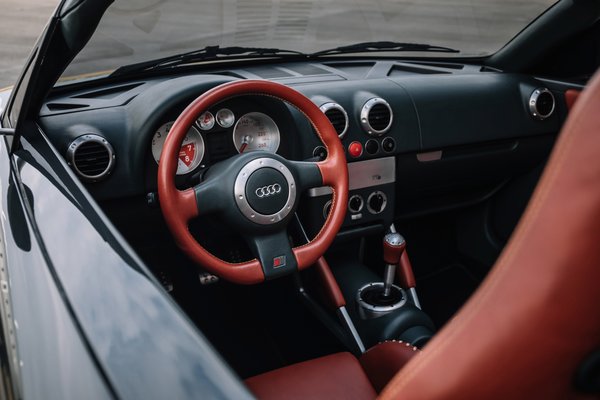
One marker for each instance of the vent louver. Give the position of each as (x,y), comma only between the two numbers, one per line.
(337,116)
(376,116)
(91,156)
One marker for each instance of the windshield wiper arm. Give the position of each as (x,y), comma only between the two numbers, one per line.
(204,54)
(384,46)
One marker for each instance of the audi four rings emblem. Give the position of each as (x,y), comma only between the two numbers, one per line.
(268,190)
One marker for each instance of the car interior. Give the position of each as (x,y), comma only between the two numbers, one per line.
(443,155)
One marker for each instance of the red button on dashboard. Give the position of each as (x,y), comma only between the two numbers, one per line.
(355,149)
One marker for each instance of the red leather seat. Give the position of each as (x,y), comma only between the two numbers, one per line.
(534,319)
(337,376)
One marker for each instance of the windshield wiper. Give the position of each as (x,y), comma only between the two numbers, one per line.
(210,53)
(205,54)
(384,46)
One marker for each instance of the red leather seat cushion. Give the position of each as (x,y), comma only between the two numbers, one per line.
(383,361)
(337,376)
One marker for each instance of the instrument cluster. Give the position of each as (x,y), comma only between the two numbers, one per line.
(218,134)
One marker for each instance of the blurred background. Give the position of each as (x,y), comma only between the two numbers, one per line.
(21,22)
(138,30)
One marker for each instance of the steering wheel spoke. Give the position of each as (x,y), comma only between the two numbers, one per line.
(274,252)
(331,170)
(186,204)
(309,174)
(207,198)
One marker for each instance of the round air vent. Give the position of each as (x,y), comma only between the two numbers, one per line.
(91,156)
(337,116)
(376,116)
(541,103)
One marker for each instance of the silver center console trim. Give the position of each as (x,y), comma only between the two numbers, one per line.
(415,298)
(364,174)
(343,313)
(367,311)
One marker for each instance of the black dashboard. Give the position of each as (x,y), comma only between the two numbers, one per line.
(413,131)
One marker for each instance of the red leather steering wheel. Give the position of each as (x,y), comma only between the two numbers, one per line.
(227,184)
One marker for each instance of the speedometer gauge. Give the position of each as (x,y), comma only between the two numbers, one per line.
(191,152)
(256,131)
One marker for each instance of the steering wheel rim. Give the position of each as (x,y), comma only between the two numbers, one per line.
(179,207)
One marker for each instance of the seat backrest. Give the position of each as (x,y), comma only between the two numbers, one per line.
(536,316)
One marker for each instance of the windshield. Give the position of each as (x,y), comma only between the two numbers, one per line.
(134,31)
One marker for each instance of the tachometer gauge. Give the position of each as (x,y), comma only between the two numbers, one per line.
(256,131)
(206,121)
(225,118)
(191,152)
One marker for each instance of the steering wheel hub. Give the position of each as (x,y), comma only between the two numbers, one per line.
(265,191)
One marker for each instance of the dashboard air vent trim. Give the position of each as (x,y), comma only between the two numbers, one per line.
(378,112)
(91,156)
(541,103)
(337,116)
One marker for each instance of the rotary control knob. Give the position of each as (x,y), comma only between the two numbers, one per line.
(388,144)
(376,202)
(356,203)
(320,153)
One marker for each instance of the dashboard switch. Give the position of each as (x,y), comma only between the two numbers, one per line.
(376,202)
(372,146)
(355,149)
(388,144)
(320,153)
(356,203)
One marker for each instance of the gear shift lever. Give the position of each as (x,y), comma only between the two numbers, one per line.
(393,248)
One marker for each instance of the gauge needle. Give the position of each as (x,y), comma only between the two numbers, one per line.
(245,142)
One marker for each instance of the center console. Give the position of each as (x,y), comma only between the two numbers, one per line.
(371,199)
(379,315)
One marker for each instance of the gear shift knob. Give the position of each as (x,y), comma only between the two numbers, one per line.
(393,247)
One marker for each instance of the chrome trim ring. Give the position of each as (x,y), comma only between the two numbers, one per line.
(360,207)
(364,116)
(91,137)
(331,106)
(379,310)
(533,99)
(383,205)
(239,190)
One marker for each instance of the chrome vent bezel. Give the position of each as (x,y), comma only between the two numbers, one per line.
(335,106)
(85,139)
(533,101)
(366,111)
